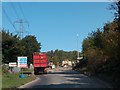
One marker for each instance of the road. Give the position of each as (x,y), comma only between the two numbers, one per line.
(65,78)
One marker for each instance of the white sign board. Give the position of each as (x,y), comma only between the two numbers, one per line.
(12,64)
(22,62)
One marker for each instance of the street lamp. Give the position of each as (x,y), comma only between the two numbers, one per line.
(78,47)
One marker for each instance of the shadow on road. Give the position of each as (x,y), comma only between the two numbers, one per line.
(66,79)
(61,85)
(62,73)
(73,81)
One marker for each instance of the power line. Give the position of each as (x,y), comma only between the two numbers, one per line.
(21,27)
(21,22)
(14,9)
(8,18)
(24,15)
(22,11)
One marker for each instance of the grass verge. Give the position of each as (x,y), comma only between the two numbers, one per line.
(13,80)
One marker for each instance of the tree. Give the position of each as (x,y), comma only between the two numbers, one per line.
(9,47)
(12,47)
(116,7)
(28,45)
(60,55)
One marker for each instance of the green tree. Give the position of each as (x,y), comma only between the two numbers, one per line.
(10,50)
(12,47)
(28,45)
(60,55)
(101,49)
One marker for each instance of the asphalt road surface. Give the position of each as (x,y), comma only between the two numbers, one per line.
(65,78)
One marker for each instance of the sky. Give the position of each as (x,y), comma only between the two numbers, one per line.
(57,25)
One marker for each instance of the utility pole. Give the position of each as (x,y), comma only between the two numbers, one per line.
(78,48)
(21,30)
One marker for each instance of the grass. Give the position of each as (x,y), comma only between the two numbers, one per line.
(0,78)
(13,80)
(27,70)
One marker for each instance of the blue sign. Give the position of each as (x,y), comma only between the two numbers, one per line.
(22,62)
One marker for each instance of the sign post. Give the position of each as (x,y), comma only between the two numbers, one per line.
(22,63)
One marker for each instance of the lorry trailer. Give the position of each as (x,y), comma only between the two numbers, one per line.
(40,63)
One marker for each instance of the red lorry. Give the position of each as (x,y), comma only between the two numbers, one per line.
(40,63)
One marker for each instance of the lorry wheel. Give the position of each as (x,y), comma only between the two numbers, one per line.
(36,73)
(45,72)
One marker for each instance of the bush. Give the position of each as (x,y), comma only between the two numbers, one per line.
(5,69)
